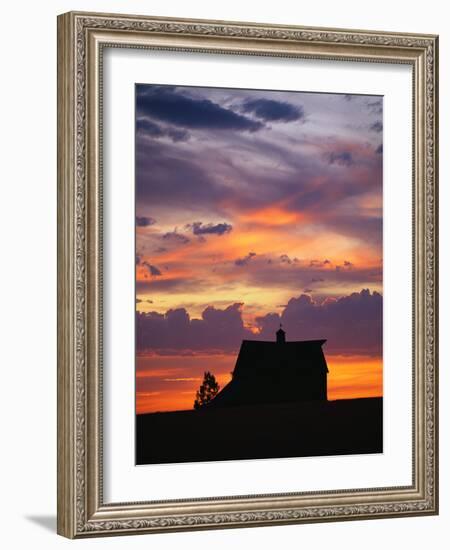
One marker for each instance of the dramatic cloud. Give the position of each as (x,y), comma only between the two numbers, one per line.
(285,259)
(278,276)
(168,177)
(375,106)
(377,126)
(273,111)
(152,270)
(175,237)
(198,228)
(261,272)
(367,229)
(221,329)
(351,324)
(245,260)
(221,183)
(149,128)
(319,263)
(144,221)
(174,107)
(173,286)
(343,159)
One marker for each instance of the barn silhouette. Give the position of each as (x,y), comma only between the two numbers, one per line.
(276,372)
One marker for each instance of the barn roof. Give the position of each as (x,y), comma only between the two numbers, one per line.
(255,354)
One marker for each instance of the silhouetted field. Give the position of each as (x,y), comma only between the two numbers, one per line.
(320,428)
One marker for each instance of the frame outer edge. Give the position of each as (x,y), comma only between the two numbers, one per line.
(75,482)
(66,524)
(435,218)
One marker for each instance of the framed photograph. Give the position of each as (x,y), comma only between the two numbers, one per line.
(247,274)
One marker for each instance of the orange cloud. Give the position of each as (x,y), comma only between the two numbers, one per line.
(272,216)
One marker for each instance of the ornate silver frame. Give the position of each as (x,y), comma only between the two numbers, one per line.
(81,510)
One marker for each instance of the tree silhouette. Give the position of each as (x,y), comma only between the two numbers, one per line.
(208,389)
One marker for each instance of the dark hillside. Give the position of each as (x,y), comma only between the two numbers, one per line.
(315,428)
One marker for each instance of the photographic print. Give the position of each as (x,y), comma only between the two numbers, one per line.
(259,233)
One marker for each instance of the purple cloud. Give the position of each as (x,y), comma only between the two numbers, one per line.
(198,228)
(175,237)
(240,262)
(221,329)
(152,269)
(173,106)
(273,111)
(375,106)
(148,128)
(377,126)
(284,259)
(342,159)
(144,221)
(351,325)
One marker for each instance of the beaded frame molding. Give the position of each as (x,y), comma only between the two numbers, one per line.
(81,39)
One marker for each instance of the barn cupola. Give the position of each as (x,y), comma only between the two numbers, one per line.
(281,336)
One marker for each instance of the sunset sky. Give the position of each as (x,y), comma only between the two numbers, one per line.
(254,208)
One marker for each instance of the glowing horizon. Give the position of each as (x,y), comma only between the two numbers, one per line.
(174,386)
